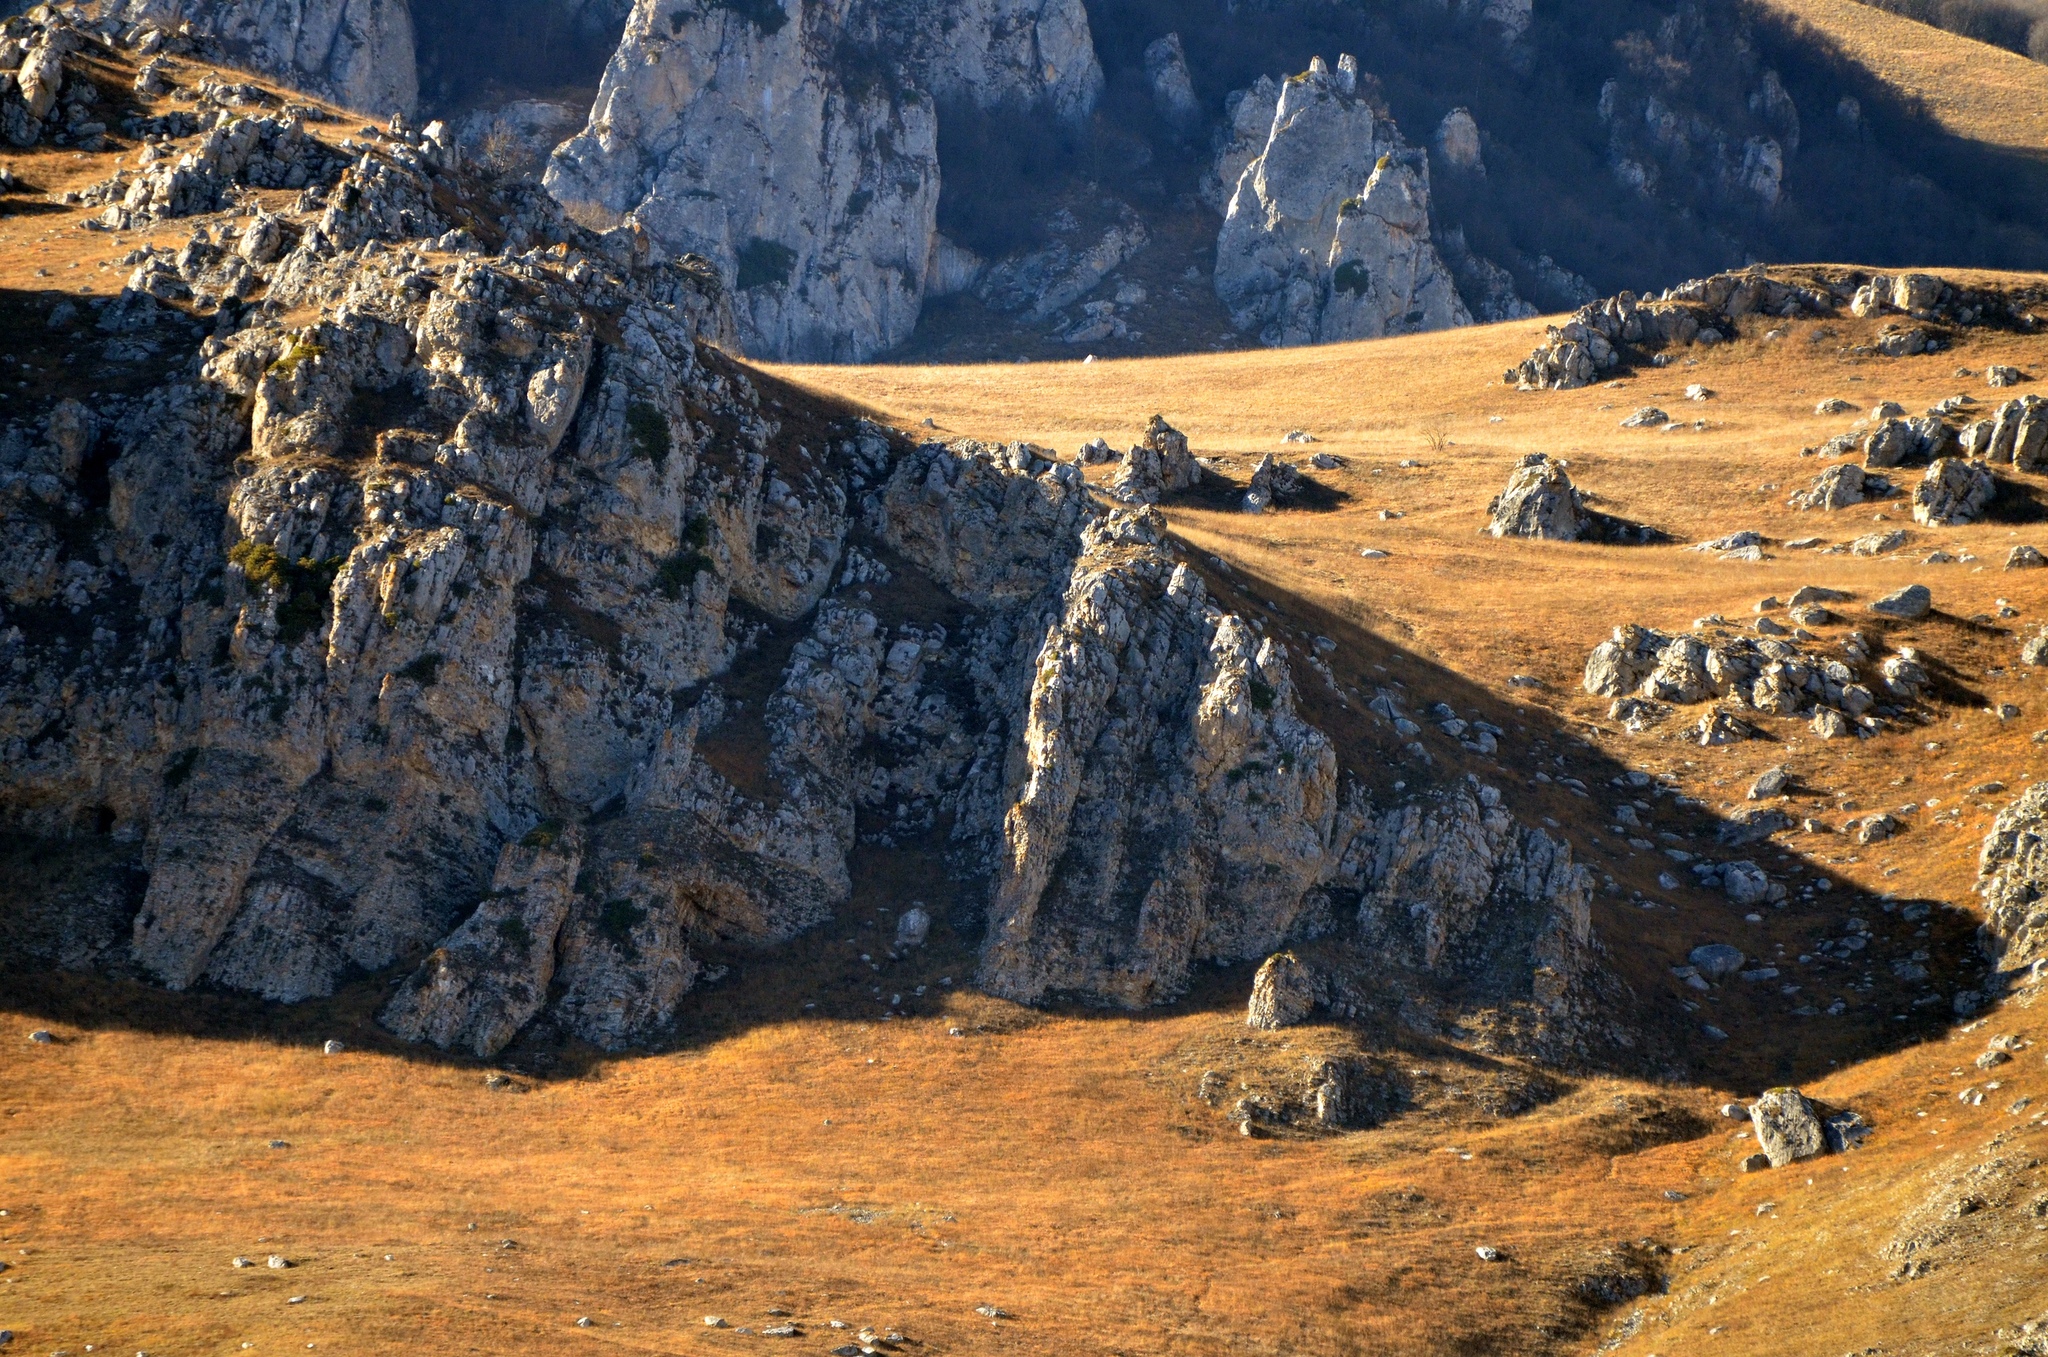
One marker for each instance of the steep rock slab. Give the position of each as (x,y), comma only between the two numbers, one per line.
(356,52)
(1327,234)
(797,148)
(2013,882)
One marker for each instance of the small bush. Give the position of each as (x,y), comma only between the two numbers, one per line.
(515,931)
(617,920)
(304,584)
(765,15)
(1353,277)
(647,433)
(542,835)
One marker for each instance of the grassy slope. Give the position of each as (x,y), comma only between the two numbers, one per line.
(1059,1165)
(1975,90)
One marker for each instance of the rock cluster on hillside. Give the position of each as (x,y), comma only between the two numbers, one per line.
(1326,233)
(799,152)
(1649,672)
(1708,311)
(455,608)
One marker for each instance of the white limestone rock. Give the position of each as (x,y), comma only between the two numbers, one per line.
(1327,233)
(744,137)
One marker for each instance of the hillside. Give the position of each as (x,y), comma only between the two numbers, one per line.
(1977,92)
(471,835)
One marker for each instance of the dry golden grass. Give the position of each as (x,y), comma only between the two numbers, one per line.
(1974,90)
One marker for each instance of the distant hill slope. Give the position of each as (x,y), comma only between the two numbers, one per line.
(1973,89)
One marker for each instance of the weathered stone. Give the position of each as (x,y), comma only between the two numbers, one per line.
(2012,882)
(1909,604)
(822,218)
(1716,960)
(1540,501)
(1786,1128)
(1326,234)
(1156,468)
(1283,993)
(1952,493)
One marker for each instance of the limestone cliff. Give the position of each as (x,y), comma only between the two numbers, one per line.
(798,148)
(1326,235)
(355,52)
(436,601)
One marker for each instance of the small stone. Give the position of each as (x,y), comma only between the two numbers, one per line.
(41,1037)
(1756,1163)
(239,1261)
(279,1261)
(585,1322)
(1488,1254)
(1716,960)
(333,1048)
(1734,1112)
(993,1312)
(713,1322)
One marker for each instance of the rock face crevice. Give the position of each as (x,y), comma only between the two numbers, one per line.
(798,147)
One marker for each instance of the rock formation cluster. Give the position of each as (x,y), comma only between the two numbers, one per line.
(446,605)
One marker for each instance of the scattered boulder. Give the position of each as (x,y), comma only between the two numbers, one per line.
(1541,502)
(1649,417)
(2001,374)
(1283,993)
(1834,405)
(1771,782)
(1097,453)
(1272,481)
(2025,557)
(1786,1128)
(1721,727)
(912,928)
(1839,487)
(1909,604)
(1716,960)
(1953,492)
(332,1048)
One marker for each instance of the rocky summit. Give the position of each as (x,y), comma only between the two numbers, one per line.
(1021,676)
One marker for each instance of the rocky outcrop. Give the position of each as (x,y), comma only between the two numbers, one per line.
(1283,993)
(798,148)
(1952,493)
(490,977)
(359,53)
(466,613)
(1156,468)
(1541,502)
(1327,232)
(1647,672)
(1706,311)
(2012,872)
